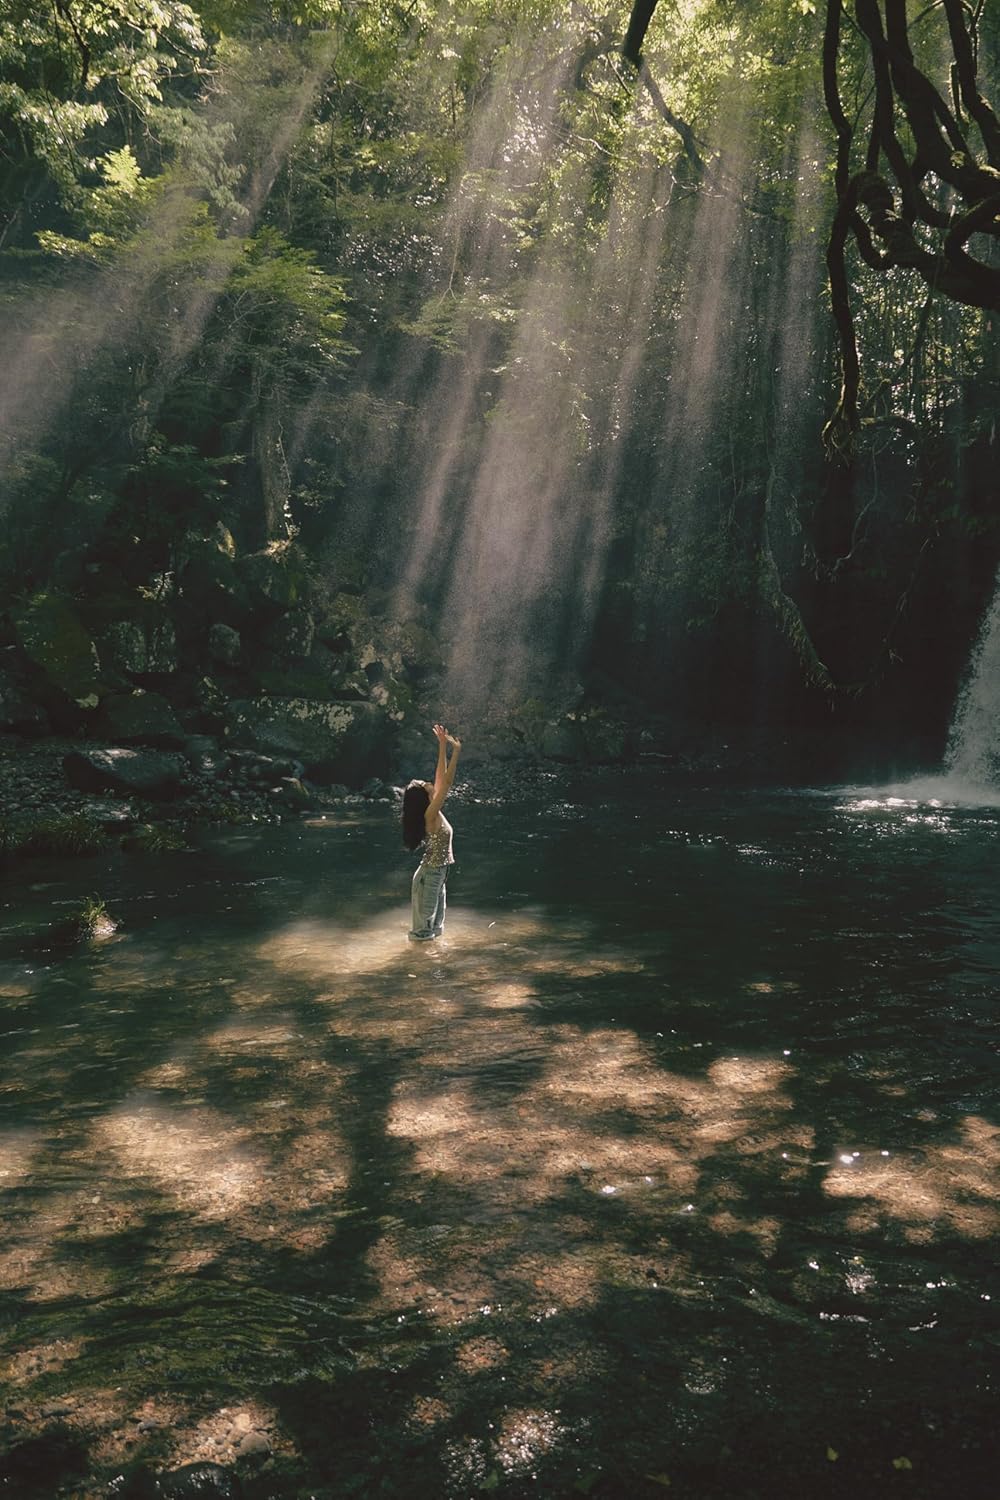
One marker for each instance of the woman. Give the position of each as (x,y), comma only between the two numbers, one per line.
(425,823)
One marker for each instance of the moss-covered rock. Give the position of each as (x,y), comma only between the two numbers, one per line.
(605,739)
(291,634)
(51,635)
(207,576)
(122,647)
(334,741)
(299,680)
(275,578)
(139,717)
(341,620)
(224,644)
(562,739)
(162,657)
(139,642)
(395,697)
(418,649)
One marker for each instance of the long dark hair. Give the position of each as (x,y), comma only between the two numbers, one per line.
(415,804)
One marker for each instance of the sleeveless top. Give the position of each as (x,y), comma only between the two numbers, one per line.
(437,845)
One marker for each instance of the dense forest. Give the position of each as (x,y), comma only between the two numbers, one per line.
(561,364)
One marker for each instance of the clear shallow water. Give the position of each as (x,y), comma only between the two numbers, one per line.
(679,1157)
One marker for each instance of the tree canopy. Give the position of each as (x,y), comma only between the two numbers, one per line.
(310,269)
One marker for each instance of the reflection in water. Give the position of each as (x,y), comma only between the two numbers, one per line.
(663,1123)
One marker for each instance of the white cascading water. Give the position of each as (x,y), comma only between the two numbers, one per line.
(972,759)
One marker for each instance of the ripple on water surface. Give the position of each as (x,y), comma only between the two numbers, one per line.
(696,1095)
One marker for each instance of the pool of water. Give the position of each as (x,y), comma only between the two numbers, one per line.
(673,1167)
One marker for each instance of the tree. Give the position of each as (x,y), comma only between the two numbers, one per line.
(929,183)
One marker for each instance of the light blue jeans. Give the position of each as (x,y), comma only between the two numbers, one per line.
(429,902)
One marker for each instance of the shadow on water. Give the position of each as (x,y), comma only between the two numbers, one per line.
(677,1160)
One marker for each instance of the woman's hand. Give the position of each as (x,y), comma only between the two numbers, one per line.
(453,741)
(440,733)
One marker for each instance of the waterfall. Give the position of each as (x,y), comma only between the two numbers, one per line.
(973,755)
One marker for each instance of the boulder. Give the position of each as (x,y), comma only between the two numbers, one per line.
(144,773)
(334,741)
(291,634)
(139,717)
(341,622)
(274,578)
(562,739)
(350,684)
(204,756)
(50,634)
(206,572)
(290,792)
(605,740)
(263,769)
(416,647)
(137,646)
(224,645)
(395,697)
(122,646)
(304,678)
(209,697)
(161,647)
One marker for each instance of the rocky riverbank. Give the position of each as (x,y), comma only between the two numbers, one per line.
(55,783)
(60,794)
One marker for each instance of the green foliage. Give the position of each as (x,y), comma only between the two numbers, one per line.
(156,838)
(207,210)
(288,311)
(68,834)
(78,81)
(92,919)
(108,216)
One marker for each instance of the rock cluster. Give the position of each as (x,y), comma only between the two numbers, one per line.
(257,651)
(120,787)
(244,679)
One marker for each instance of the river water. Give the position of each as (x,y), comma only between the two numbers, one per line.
(673,1167)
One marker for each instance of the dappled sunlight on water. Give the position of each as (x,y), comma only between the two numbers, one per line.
(512,1169)
(952,1186)
(322,951)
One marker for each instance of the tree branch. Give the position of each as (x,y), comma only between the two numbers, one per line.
(965,69)
(62,9)
(638,25)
